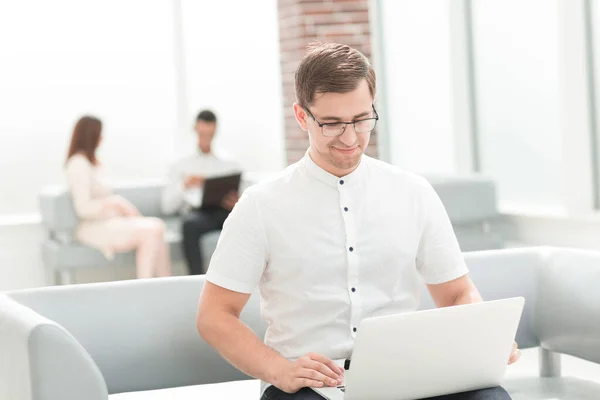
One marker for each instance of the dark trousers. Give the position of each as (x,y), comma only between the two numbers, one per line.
(195,224)
(497,393)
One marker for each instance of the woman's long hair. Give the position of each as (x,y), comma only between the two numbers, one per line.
(85,139)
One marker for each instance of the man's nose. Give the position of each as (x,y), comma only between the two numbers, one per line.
(348,137)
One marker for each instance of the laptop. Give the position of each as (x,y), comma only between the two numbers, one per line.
(430,353)
(216,188)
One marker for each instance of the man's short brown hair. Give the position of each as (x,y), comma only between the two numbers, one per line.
(331,68)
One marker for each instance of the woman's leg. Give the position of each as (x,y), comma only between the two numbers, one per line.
(150,251)
(145,235)
(163,267)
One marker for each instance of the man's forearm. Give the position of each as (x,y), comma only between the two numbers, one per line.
(172,198)
(242,348)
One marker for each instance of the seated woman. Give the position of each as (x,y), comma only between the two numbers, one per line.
(109,222)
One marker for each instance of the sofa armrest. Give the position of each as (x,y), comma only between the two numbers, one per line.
(57,210)
(568,311)
(41,360)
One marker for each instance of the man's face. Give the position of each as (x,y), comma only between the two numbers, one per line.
(338,155)
(206,133)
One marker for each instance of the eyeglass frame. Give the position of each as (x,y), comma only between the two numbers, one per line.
(321,125)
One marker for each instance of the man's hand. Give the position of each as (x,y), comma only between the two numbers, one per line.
(515,355)
(193,181)
(230,200)
(311,370)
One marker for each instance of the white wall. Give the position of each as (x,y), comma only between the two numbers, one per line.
(417,61)
(20,256)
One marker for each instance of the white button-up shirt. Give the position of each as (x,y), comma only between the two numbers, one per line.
(327,252)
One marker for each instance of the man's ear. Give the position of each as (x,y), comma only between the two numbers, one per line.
(301,116)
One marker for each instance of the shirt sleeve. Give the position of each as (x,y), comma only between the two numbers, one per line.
(173,192)
(241,254)
(79,178)
(439,258)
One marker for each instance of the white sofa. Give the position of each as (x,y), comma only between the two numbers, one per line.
(469,201)
(122,339)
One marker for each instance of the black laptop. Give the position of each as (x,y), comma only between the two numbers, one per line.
(215,189)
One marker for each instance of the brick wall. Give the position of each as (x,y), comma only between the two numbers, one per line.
(304,21)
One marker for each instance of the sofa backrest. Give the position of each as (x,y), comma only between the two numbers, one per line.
(562,295)
(141,333)
(58,212)
(466,198)
(470,202)
(502,274)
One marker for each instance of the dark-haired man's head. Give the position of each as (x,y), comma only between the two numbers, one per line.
(206,127)
(335,93)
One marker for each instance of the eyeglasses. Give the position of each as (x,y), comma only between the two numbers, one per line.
(333,129)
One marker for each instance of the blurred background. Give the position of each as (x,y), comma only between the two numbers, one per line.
(505,91)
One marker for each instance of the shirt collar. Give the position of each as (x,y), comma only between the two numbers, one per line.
(352,178)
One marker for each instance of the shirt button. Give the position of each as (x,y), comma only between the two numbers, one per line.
(353,329)
(353,289)
(346,209)
(341,181)
(351,249)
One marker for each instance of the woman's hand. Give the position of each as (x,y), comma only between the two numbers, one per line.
(123,207)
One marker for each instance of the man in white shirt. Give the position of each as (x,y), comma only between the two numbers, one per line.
(335,238)
(183,191)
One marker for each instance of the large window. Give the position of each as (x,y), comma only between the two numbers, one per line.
(517,92)
(594,48)
(416,47)
(63,59)
(233,67)
(115,59)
